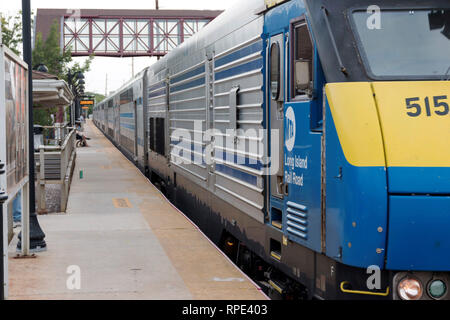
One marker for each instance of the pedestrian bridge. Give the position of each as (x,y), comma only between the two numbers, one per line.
(123,33)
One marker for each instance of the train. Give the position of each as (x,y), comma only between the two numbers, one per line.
(310,140)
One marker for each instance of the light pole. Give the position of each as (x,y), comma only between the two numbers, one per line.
(80,92)
(76,83)
(37,242)
(3,198)
(70,79)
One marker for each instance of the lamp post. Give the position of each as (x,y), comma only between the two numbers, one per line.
(41,68)
(80,92)
(37,242)
(76,81)
(3,198)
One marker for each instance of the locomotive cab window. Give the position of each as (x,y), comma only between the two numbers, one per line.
(303,53)
(412,44)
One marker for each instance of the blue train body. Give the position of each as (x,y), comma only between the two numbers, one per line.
(362,181)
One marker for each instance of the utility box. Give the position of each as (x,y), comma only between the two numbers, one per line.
(14,137)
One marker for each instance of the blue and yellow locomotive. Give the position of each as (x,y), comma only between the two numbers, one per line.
(310,139)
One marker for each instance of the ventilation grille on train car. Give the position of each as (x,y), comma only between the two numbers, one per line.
(297,220)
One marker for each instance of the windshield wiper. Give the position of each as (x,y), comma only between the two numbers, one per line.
(447,75)
(333,41)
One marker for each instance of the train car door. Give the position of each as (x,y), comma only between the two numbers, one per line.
(105,117)
(136,134)
(276,74)
(302,217)
(117,119)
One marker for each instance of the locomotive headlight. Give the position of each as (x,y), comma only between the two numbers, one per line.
(410,289)
(437,289)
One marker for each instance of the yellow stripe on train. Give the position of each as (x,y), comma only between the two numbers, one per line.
(414,119)
(356,120)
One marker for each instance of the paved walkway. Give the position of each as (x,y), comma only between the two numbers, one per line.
(127,241)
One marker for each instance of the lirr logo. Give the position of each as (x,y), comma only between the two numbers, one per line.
(290,129)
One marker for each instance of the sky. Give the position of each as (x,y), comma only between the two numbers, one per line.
(116,70)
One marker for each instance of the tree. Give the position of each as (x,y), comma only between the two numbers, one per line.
(98,98)
(12,32)
(42,116)
(50,54)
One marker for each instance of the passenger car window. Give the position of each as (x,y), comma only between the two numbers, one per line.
(126,97)
(303,61)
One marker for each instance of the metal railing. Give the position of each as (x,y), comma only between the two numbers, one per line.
(55,165)
(56,135)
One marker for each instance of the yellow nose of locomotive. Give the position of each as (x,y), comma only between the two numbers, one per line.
(395,124)
(405,128)
(415,122)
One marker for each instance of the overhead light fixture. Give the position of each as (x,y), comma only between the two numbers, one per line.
(80,75)
(446,31)
(41,68)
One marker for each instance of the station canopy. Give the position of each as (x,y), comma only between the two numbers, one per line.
(49,91)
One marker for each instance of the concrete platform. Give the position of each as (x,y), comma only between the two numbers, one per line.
(126,239)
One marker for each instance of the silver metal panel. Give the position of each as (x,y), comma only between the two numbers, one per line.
(111,119)
(138,99)
(188,116)
(238,182)
(116,119)
(157,108)
(127,127)
(157,105)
